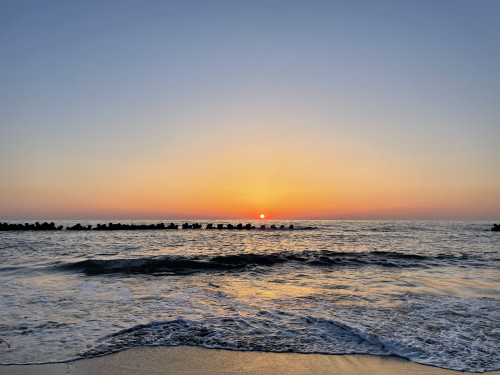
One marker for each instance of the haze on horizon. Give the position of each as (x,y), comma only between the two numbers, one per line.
(230,109)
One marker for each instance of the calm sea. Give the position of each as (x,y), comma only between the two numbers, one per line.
(426,291)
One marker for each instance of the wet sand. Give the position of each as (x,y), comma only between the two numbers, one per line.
(182,360)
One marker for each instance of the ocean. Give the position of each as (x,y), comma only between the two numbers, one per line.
(427,291)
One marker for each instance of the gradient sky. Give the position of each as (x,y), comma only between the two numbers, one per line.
(226,109)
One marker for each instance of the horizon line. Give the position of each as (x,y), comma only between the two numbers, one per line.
(250,219)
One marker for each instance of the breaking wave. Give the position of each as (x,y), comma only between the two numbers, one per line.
(243,261)
(281,331)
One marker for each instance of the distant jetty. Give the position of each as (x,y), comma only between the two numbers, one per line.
(27,226)
(45,226)
(120,226)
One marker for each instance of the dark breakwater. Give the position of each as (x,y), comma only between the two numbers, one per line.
(119,226)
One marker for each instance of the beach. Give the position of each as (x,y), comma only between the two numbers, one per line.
(182,360)
(423,291)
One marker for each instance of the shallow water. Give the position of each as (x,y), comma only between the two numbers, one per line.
(426,291)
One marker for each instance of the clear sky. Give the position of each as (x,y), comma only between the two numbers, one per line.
(228,109)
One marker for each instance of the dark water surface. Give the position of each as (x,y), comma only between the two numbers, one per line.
(426,291)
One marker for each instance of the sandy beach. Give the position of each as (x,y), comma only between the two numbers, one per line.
(196,361)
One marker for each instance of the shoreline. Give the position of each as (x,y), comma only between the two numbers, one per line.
(195,360)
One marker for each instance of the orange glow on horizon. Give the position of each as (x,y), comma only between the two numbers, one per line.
(304,179)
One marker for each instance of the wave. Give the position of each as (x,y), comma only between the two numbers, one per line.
(283,332)
(263,332)
(243,261)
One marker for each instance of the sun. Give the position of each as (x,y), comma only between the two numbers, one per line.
(262,216)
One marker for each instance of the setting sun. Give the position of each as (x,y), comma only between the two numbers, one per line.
(262,216)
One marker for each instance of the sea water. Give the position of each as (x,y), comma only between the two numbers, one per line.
(425,291)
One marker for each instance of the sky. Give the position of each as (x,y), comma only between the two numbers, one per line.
(229,109)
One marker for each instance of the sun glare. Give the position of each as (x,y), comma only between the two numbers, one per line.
(262,216)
